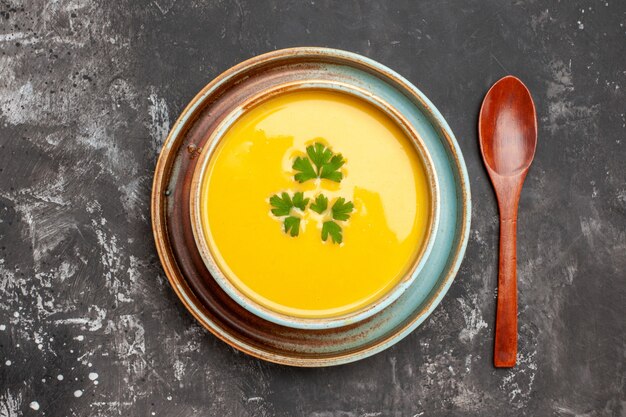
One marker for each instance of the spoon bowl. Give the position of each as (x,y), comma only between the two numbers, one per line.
(508,127)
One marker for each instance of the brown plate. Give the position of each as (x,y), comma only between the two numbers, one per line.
(185,268)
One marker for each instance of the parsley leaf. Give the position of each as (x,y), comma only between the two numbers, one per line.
(330,170)
(319,162)
(299,201)
(292,223)
(319,154)
(320,205)
(282,204)
(334,230)
(326,164)
(341,210)
(282,207)
(307,172)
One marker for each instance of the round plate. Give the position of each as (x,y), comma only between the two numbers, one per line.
(184,266)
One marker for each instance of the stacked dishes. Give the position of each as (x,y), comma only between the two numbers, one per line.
(310,207)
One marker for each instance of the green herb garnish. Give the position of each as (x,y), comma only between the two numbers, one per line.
(299,201)
(334,230)
(320,204)
(341,210)
(282,204)
(307,172)
(282,207)
(319,162)
(327,164)
(292,223)
(330,171)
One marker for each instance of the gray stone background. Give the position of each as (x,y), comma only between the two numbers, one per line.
(88,323)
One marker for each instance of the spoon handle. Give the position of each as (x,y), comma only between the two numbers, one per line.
(505,348)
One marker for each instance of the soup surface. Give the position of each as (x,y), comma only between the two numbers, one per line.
(307,246)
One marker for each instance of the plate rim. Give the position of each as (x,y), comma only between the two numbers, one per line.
(158,205)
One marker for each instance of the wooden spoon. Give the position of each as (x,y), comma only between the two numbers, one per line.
(508,138)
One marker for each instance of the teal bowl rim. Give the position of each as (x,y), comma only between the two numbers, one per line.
(377,305)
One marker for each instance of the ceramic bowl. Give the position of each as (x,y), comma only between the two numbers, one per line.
(202,240)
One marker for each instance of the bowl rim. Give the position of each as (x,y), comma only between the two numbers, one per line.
(420,258)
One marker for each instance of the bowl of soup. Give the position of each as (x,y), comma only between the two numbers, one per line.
(314,204)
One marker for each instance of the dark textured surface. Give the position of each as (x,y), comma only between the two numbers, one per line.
(88,91)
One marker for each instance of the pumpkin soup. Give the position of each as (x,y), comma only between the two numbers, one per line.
(314,204)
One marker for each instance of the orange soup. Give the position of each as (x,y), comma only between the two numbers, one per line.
(315,204)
